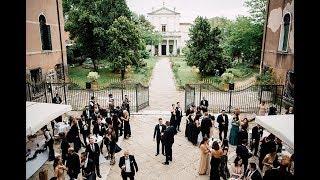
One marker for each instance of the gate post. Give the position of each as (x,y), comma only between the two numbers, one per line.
(200,95)
(230,101)
(45,91)
(137,98)
(64,91)
(122,87)
(260,93)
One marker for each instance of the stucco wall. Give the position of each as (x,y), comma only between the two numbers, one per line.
(35,57)
(280,62)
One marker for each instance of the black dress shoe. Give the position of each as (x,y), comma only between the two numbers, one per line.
(163,154)
(165,163)
(157,154)
(170,160)
(99,176)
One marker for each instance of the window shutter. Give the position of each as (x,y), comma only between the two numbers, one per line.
(49,38)
(42,34)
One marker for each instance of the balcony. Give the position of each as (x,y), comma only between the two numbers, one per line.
(170,34)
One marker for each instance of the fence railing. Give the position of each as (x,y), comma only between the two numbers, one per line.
(78,97)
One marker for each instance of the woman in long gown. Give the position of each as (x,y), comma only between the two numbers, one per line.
(196,131)
(216,155)
(173,115)
(59,169)
(204,156)
(188,123)
(225,174)
(263,109)
(126,124)
(233,137)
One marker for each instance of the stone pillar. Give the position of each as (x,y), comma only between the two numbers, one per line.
(159,49)
(167,47)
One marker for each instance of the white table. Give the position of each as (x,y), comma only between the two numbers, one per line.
(62,127)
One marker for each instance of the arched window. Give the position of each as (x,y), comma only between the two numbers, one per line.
(285,30)
(45,33)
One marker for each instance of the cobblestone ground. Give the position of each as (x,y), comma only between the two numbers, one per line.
(186,156)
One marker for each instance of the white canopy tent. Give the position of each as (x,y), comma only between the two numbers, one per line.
(282,126)
(40,114)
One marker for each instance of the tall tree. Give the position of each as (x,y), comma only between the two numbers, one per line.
(204,50)
(257,10)
(244,40)
(125,44)
(88,22)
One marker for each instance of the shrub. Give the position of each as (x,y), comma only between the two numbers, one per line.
(266,78)
(227,78)
(93,76)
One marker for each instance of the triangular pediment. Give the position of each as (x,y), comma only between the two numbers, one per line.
(163,10)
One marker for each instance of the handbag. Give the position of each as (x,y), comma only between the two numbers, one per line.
(117,148)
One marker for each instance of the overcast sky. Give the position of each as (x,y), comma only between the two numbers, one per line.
(190,9)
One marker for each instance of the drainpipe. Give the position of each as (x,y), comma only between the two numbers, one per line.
(264,36)
(61,47)
(63,71)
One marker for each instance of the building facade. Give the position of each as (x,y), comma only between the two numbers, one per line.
(174,33)
(46,58)
(278,44)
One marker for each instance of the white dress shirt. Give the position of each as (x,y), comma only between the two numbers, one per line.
(127,163)
(160,127)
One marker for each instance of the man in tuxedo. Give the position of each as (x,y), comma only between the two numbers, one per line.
(243,152)
(158,132)
(128,166)
(88,117)
(64,146)
(73,164)
(94,152)
(168,140)
(204,104)
(252,173)
(273,173)
(178,116)
(223,124)
(87,166)
(255,138)
(49,142)
(127,103)
(57,99)
(99,128)
(84,129)
(206,124)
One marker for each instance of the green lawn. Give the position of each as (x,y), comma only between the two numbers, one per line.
(78,74)
(185,74)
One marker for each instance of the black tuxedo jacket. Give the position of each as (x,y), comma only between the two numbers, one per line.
(255,176)
(178,113)
(97,131)
(73,163)
(84,113)
(206,124)
(93,155)
(157,132)
(243,152)
(255,133)
(55,100)
(168,136)
(220,120)
(133,164)
(204,103)
(89,169)
(242,134)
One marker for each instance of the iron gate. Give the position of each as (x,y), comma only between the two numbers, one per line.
(247,99)
(78,97)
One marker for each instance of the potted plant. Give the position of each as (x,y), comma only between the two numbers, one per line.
(227,78)
(93,77)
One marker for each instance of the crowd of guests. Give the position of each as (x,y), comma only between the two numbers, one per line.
(214,155)
(95,122)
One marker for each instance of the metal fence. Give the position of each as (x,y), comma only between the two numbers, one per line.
(78,97)
(247,99)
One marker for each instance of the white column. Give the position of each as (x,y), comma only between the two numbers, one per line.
(159,49)
(167,47)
